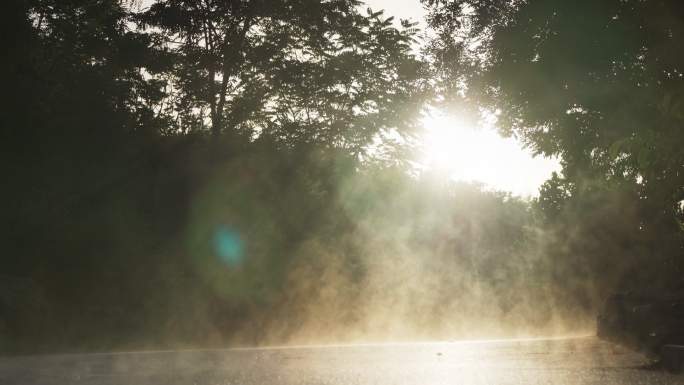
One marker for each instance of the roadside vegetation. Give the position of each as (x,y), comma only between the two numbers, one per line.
(213,173)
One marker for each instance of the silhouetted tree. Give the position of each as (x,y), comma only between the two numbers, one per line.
(112,195)
(597,83)
(300,71)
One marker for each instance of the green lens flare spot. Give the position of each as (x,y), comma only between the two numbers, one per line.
(228,246)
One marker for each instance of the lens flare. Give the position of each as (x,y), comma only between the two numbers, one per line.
(228,246)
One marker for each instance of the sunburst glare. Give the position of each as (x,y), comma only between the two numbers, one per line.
(479,154)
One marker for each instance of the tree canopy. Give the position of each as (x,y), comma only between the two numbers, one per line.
(298,71)
(598,84)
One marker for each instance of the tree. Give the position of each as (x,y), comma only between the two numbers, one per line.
(300,71)
(599,83)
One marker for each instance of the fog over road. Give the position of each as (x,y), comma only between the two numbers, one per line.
(576,361)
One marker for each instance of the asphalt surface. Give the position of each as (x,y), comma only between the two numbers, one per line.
(576,361)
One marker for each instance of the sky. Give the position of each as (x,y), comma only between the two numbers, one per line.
(401,9)
(479,154)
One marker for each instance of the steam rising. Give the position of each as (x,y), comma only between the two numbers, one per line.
(395,258)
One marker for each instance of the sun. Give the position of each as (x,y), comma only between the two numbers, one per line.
(479,154)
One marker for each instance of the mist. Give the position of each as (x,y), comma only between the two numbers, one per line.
(245,174)
(389,257)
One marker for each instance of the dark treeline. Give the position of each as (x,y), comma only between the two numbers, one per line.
(119,127)
(201,173)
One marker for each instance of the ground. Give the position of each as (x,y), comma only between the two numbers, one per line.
(575,361)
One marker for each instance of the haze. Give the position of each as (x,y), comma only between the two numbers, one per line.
(220,174)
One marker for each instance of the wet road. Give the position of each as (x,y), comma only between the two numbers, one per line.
(567,361)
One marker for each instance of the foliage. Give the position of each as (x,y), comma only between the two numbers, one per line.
(299,71)
(114,190)
(598,84)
